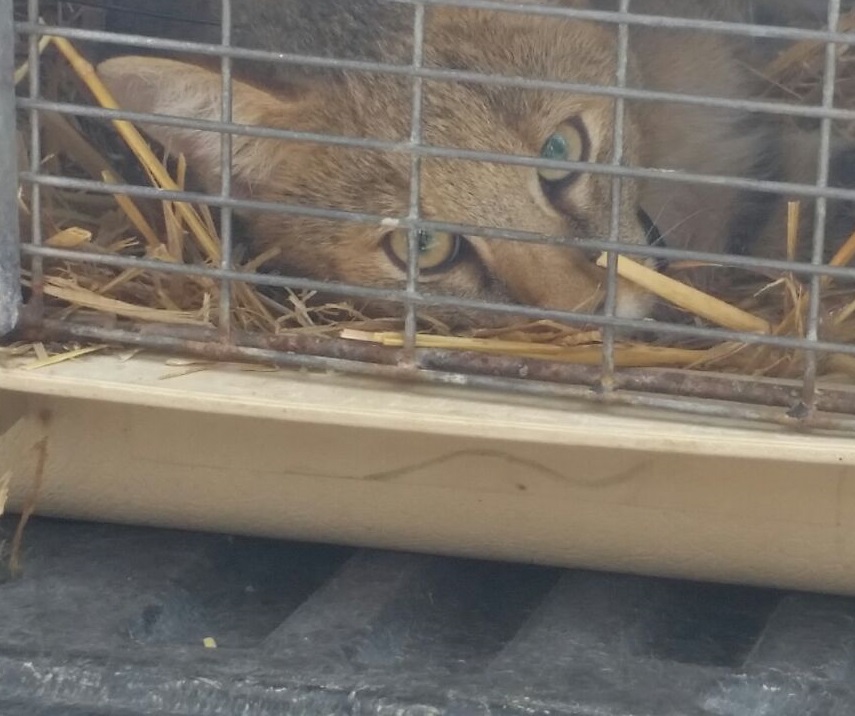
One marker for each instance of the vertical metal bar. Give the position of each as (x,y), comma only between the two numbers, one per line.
(226,214)
(610,306)
(819,234)
(37,266)
(10,254)
(415,180)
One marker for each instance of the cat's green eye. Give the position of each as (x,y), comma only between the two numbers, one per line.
(438,250)
(569,143)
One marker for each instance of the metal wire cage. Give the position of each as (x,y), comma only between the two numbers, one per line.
(804,403)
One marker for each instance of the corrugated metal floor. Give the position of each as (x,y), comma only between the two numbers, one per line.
(111,620)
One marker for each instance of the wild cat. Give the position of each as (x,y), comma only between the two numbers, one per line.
(560,125)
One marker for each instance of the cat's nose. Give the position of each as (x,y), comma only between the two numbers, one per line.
(591,254)
(651,234)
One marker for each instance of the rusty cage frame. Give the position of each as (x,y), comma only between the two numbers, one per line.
(802,404)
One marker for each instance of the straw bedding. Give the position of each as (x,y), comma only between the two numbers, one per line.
(179,233)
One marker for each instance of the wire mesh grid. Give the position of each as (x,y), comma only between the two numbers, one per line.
(802,403)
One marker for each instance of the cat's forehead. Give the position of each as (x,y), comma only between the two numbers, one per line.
(488,113)
(465,115)
(545,48)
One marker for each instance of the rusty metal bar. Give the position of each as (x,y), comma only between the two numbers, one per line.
(712,396)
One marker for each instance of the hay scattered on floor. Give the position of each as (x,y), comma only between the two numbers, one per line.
(182,233)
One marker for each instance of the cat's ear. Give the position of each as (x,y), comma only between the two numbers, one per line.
(170,87)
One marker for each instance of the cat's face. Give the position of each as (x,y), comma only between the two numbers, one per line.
(550,124)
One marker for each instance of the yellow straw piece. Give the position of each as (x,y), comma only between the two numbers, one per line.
(62,357)
(138,145)
(688,298)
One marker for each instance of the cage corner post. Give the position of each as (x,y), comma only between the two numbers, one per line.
(10,265)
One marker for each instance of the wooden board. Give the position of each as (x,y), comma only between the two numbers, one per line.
(358,461)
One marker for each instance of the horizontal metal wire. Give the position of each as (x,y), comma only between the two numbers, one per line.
(664,22)
(439,74)
(424,300)
(757,31)
(666,175)
(845,273)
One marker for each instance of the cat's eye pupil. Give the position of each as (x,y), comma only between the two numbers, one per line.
(437,251)
(555,148)
(426,241)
